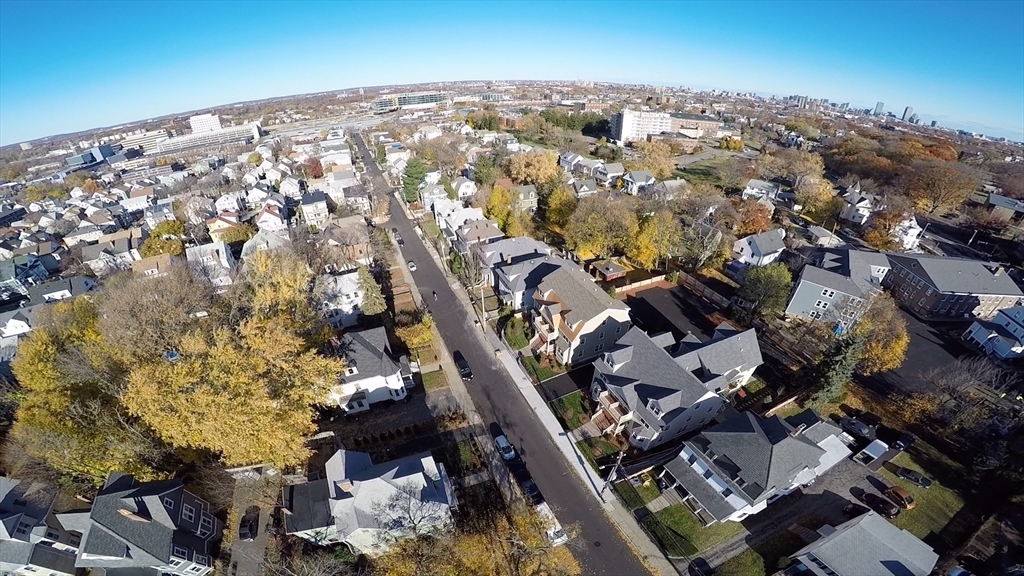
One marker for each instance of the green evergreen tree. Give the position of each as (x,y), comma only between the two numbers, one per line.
(415,173)
(373,299)
(836,367)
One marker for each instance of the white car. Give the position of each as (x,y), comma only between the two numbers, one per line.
(505,448)
(412,266)
(556,535)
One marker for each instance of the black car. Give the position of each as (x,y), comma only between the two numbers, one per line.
(852,510)
(914,477)
(856,427)
(903,442)
(883,506)
(249,525)
(531,492)
(870,419)
(462,365)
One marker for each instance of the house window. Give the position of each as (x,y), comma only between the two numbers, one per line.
(929,292)
(195,569)
(151,272)
(654,409)
(726,493)
(205,525)
(188,513)
(174,563)
(814,314)
(708,473)
(180,552)
(169,503)
(201,560)
(618,329)
(920,302)
(821,304)
(601,336)
(52,535)
(828,293)
(583,340)
(599,348)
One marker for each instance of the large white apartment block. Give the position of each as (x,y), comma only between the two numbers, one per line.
(204,123)
(633,125)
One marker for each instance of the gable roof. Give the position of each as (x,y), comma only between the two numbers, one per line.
(639,176)
(728,350)
(479,230)
(581,297)
(959,275)
(509,250)
(769,241)
(845,270)
(369,353)
(869,544)
(527,273)
(614,168)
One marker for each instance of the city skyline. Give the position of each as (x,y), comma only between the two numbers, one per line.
(956,80)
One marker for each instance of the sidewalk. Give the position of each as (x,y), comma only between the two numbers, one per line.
(623,520)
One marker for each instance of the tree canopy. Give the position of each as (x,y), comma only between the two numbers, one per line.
(415,174)
(536,167)
(767,288)
(884,332)
(164,238)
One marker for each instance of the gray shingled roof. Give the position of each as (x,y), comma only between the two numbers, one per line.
(308,506)
(527,274)
(640,176)
(727,350)
(511,250)
(479,230)
(869,544)
(710,499)
(768,241)
(845,270)
(614,168)
(1004,202)
(581,297)
(53,559)
(369,353)
(959,275)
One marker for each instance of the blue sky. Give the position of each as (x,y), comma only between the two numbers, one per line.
(68,66)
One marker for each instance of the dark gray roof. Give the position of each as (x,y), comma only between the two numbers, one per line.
(845,270)
(959,275)
(308,506)
(869,544)
(511,250)
(581,297)
(728,350)
(768,241)
(1004,202)
(479,230)
(815,429)
(588,185)
(369,353)
(614,168)
(313,197)
(761,452)
(53,559)
(640,176)
(527,274)
(710,499)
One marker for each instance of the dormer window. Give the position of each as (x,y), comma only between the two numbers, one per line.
(653,407)
(169,503)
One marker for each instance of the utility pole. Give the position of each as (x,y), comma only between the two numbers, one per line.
(972,237)
(611,474)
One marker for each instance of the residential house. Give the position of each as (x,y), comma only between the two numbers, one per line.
(372,374)
(340,298)
(758,189)
(21,320)
(231,202)
(314,209)
(10,215)
(352,236)
(654,389)
(575,318)
(457,218)
(506,251)
(257,196)
(822,238)
(607,174)
(114,252)
(526,197)
(291,187)
(432,177)
(638,181)
(87,233)
(517,281)
(137,199)
(584,188)
(20,272)
(738,467)
(464,188)
(760,249)
(476,232)
(937,286)
(220,224)
(837,285)
(341,179)
(271,219)
(198,208)
(1005,209)
(859,206)
(212,261)
(28,542)
(867,544)
(145,528)
(265,240)
(587,168)
(907,234)
(345,504)
(154,266)
(567,161)
(668,190)
(157,214)
(430,194)
(358,198)
(1001,337)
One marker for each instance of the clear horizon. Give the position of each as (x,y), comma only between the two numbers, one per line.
(959,63)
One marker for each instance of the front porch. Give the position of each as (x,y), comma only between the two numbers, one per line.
(611,417)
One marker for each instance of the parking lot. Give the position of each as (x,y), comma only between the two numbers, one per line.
(932,345)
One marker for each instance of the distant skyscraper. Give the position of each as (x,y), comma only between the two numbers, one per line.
(913,119)
(935,123)
(907,113)
(205,123)
(878,108)
(844,106)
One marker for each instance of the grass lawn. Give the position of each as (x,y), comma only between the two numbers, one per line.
(636,496)
(594,448)
(747,563)
(516,333)
(680,519)
(674,545)
(778,546)
(571,410)
(541,371)
(430,228)
(434,380)
(705,171)
(936,506)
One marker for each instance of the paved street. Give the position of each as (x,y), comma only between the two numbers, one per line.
(599,548)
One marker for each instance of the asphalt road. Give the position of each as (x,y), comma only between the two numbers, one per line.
(599,547)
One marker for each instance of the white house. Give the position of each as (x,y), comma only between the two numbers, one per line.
(1001,337)
(230,202)
(371,373)
(340,298)
(157,214)
(270,219)
(290,187)
(908,233)
(366,506)
(567,161)
(314,209)
(867,544)
(464,188)
(432,177)
(430,194)
(859,206)
(760,249)
(213,261)
(758,189)
(638,181)
(607,174)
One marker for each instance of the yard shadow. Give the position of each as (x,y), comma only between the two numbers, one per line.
(877,483)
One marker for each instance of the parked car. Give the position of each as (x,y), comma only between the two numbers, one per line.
(880,505)
(399,240)
(901,497)
(531,492)
(870,419)
(904,441)
(462,365)
(505,448)
(249,525)
(856,427)
(914,477)
(412,265)
(852,510)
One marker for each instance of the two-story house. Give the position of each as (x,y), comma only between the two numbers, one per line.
(1001,337)
(464,188)
(340,298)
(212,261)
(31,541)
(368,506)
(587,168)
(517,279)
(352,236)
(654,389)
(567,161)
(575,319)
(526,197)
(738,467)
(638,181)
(20,272)
(372,374)
(431,193)
(859,206)
(758,189)
(950,287)
(22,320)
(607,174)
(506,251)
(137,526)
(760,249)
(314,209)
(476,232)
(837,285)
(584,188)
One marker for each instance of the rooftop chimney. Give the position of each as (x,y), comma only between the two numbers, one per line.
(798,430)
(131,515)
(345,485)
(998,271)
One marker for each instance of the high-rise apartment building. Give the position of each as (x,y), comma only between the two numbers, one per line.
(878,108)
(935,123)
(204,123)
(907,113)
(632,125)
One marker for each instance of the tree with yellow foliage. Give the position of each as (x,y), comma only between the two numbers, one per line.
(885,336)
(659,237)
(655,157)
(536,167)
(559,206)
(164,238)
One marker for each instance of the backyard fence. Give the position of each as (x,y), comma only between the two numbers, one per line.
(640,284)
(700,289)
